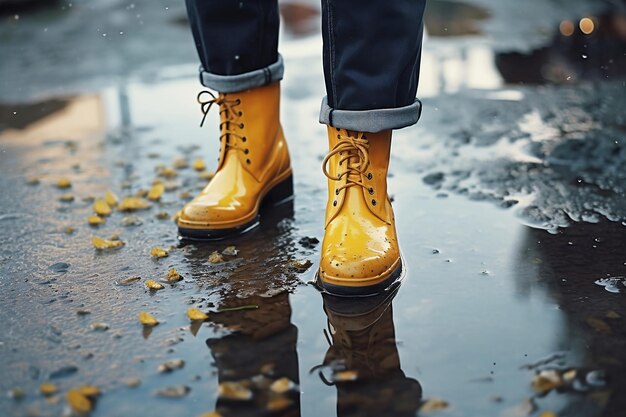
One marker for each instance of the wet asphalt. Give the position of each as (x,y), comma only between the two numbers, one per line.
(510,208)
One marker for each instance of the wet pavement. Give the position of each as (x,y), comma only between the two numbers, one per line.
(511,214)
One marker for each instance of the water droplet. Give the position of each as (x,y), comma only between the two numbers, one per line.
(16,17)
(584,56)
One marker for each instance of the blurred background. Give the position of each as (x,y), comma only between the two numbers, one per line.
(510,197)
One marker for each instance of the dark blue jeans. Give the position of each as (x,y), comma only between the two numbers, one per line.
(372,53)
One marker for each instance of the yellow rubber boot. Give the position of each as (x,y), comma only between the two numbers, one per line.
(253,166)
(360,254)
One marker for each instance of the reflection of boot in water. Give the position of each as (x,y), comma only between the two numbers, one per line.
(261,350)
(364,359)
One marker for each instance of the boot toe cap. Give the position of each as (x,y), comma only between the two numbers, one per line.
(340,267)
(203,214)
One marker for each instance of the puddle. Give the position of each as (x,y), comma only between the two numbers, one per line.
(493,318)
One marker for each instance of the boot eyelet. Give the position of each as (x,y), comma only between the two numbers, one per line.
(338,135)
(248,161)
(238,102)
(335,203)
(240,125)
(369,176)
(336,191)
(246,151)
(244,139)
(373,202)
(240,113)
(371,190)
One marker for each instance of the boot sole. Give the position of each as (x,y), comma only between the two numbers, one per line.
(385,285)
(279,194)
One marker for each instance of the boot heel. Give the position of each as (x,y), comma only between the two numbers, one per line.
(281,193)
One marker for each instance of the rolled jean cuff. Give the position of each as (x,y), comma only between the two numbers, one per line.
(371,121)
(245,81)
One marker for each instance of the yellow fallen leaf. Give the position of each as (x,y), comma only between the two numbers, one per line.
(433,404)
(99,327)
(153,285)
(166,172)
(547,380)
(111,198)
(234,391)
(53,399)
(207,175)
(100,243)
(180,163)
(64,183)
(348,375)
(216,257)
(101,207)
(95,220)
(16,393)
(196,315)
(147,319)
(278,403)
(612,314)
(127,281)
(599,326)
(89,391)
(156,192)
(210,414)
(48,389)
(133,203)
(230,251)
(68,230)
(163,215)
(282,385)
(171,366)
(173,275)
(67,198)
(132,382)
(79,403)
(170,185)
(158,252)
(198,165)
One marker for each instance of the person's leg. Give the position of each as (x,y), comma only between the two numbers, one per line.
(237,43)
(371,65)
(372,57)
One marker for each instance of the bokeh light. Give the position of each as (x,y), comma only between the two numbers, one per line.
(586,25)
(567,28)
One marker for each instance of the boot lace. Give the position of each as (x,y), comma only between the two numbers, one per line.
(228,107)
(354,152)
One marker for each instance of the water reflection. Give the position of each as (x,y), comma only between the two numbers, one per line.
(260,351)
(567,264)
(362,360)
(249,297)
